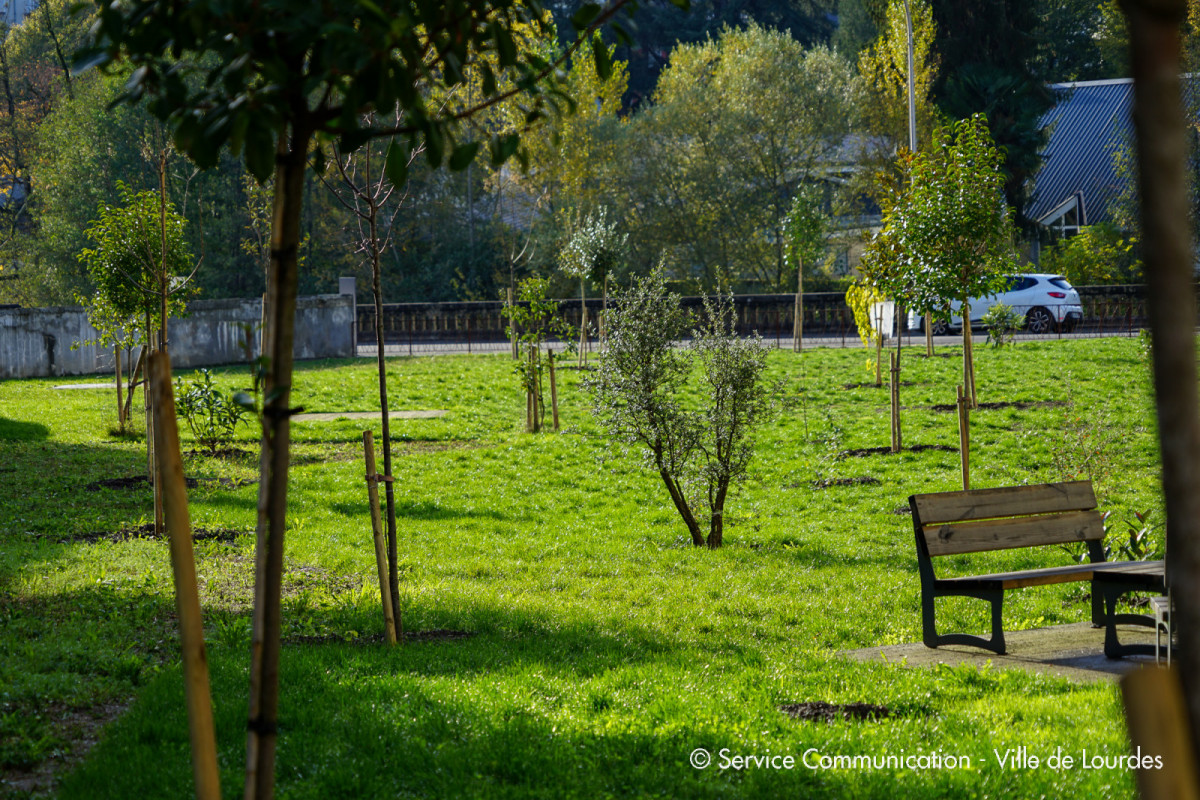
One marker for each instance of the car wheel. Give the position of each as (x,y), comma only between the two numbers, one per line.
(1039,321)
(1068,325)
(939,327)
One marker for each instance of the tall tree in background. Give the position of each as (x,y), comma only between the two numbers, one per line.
(737,125)
(986,52)
(884,68)
(293,74)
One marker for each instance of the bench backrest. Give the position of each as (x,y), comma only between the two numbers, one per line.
(948,523)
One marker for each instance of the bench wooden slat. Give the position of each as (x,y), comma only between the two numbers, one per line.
(1006,501)
(1134,571)
(1003,534)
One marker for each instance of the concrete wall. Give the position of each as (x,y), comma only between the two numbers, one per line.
(36,342)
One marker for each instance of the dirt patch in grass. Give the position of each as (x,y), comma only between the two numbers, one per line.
(828,712)
(902,511)
(435,635)
(1019,404)
(224,535)
(340,452)
(863,452)
(141,481)
(828,483)
(874,385)
(224,453)
(80,729)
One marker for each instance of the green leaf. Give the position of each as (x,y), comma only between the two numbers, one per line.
(435,146)
(502,146)
(463,155)
(584,16)
(398,153)
(259,152)
(244,400)
(602,57)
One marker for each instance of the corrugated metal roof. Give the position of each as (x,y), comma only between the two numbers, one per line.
(1091,121)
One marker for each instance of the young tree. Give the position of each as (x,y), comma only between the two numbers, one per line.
(594,251)
(640,395)
(950,235)
(804,230)
(291,74)
(363,188)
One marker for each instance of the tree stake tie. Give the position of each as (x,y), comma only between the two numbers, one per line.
(376,478)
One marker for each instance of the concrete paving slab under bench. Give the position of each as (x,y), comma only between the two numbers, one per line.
(1068,651)
(326,416)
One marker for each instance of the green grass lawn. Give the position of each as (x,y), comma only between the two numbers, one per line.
(604,648)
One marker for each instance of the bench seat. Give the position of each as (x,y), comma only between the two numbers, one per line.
(1130,571)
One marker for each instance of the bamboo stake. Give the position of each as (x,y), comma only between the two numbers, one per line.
(1158,727)
(964,437)
(553,392)
(583,334)
(381,560)
(187,596)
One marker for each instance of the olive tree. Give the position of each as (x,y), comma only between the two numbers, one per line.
(640,394)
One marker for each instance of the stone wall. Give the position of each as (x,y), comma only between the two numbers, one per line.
(37,342)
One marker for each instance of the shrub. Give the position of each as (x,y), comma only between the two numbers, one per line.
(211,415)
(1002,324)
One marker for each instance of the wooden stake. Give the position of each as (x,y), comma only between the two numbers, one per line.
(381,560)
(553,392)
(1158,728)
(197,692)
(929,335)
(964,437)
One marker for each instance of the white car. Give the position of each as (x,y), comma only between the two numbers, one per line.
(1048,302)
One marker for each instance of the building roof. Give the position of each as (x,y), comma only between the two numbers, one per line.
(1089,124)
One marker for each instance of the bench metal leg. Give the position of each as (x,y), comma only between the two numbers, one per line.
(931,638)
(1110,593)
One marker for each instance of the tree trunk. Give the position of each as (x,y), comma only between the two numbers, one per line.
(968,358)
(280,314)
(716,525)
(798,323)
(120,390)
(386,439)
(1162,155)
(682,507)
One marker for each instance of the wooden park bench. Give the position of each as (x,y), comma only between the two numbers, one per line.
(955,523)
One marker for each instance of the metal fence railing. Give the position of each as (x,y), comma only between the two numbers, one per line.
(482,325)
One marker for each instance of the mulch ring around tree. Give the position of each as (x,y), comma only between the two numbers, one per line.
(863,452)
(828,712)
(435,635)
(859,481)
(223,535)
(1020,404)
(140,481)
